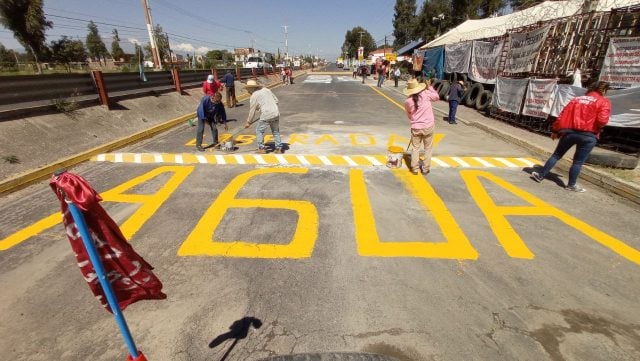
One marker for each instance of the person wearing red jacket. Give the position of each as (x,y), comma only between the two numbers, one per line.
(210,86)
(579,124)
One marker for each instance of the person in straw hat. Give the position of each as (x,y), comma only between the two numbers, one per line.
(420,113)
(263,108)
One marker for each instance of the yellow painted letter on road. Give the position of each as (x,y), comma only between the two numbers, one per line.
(397,140)
(151,203)
(326,138)
(354,139)
(244,139)
(200,241)
(298,138)
(369,244)
(507,236)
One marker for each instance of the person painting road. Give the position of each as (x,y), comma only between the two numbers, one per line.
(420,113)
(455,94)
(579,124)
(263,108)
(210,86)
(210,111)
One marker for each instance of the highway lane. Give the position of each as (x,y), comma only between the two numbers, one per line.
(475,261)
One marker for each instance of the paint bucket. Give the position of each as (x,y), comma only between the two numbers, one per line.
(228,146)
(394,157)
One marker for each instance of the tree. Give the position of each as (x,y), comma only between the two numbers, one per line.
(474,9)
(116,51)
(523,4)
(354,38)
(162,44)
(95,45)
(25,18)
(434,18)
(67,51)
(7,57)
(404,22)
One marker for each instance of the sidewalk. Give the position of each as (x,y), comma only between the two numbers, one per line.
(625,183)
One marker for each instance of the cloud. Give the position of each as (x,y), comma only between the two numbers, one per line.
(183,47)
(134,41)
(202,50)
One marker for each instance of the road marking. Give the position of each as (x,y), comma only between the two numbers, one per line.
(360,160)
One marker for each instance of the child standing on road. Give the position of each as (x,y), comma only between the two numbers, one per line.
(420,113)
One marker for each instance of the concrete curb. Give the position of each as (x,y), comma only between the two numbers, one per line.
(24,179)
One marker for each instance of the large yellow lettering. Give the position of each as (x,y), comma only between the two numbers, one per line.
(369,244)
(244,139)
(200,242)
(354,139)
(150,204)
(507,236)
(298,138)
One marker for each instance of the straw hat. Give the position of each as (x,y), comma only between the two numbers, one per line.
(413,87)
(252,84)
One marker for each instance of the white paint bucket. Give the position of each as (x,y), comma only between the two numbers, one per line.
(394,157)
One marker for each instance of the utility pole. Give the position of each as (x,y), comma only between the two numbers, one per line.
(286,44)
(152,42)
(169,48)
(362,32)
(384,51)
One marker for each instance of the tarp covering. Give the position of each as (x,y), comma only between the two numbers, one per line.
(497,26)
(433,61)
(485,57)
(457,57)
(408,49)
(625,111)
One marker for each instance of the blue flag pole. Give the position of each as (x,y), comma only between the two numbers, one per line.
(106,285)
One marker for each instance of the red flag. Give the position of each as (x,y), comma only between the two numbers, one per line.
(131,277)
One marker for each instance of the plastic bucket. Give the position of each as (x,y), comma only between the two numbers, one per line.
(394,157)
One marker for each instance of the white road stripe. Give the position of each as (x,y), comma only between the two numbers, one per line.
(259,159)
(202,159)
(505,162)
(239,159)
(137,158)
(483,162)
(325,160)
(281,159)
(157,157)
(101,157)
(179,159)
(303,160)
(372,160)
(220,159)
(461,162)
(440,163)
(526,161)
(118,158)
(349,160)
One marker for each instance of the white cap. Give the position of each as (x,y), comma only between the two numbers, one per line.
(210,79)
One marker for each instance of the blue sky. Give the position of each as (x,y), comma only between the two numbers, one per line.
(314,27)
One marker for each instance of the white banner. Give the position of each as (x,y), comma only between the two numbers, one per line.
(485,58)
(509,94)
(540,97)
(456,57)
(564,94)
(523,48)
(621,66)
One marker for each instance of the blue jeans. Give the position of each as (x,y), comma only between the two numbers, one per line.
(200,132)
(275,129)
(453,108)
(584,142)
(380,80)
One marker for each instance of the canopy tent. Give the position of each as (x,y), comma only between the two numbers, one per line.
(493,27)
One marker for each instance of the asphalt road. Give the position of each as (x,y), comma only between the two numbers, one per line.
(473,262)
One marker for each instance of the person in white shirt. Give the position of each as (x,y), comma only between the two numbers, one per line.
(263,108)
(396,76)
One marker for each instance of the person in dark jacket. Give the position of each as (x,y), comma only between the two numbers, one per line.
(455,94)
(579,124)
(210,111)
(229,82)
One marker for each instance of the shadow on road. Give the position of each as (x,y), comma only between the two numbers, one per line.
(237,331)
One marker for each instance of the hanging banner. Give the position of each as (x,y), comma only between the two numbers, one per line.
(523,49)
(625,111)
(417,61)
(509,94)
(621,66)
(485,58)
(433,64)
(457,57)
(540,97)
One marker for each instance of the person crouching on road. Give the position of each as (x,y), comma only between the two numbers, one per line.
(210,86)
(455,94)
(210,111)
(579,124)
(418,108)
(263,108)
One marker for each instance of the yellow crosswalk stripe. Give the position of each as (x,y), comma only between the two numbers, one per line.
(357,160)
